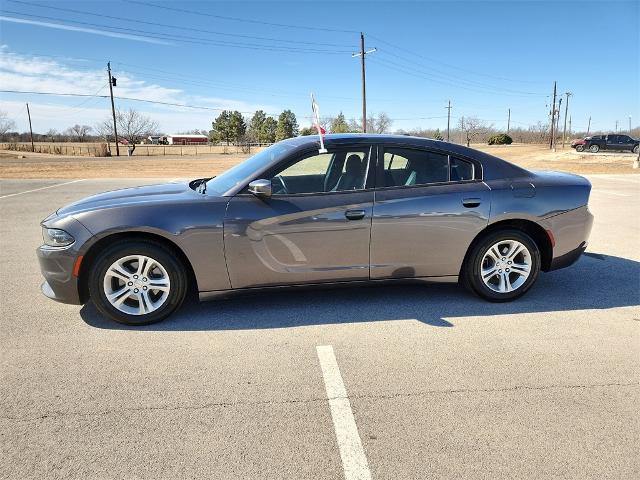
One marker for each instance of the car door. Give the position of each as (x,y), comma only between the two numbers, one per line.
(314,228)
(625,142)
(611,142)
(428,207)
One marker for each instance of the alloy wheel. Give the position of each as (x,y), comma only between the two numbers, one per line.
(136,284)
(506,266)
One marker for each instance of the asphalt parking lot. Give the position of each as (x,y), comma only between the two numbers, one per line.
(439,384)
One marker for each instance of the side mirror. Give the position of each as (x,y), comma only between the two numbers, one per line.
(260,188)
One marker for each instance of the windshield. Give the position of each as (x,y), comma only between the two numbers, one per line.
(243,171)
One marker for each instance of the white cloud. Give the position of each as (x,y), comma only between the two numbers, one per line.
(105,33)
(39,74)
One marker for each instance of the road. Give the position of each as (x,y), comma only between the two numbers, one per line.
(437,383)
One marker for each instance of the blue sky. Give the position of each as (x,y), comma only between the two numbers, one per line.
(484,56)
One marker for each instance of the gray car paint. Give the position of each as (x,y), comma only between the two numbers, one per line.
(416,232)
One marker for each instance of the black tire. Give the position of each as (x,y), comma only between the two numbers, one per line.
(595,148)
(173,266)
(579,148)
(471,271)
(636,148)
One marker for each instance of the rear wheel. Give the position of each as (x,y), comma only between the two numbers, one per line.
(594,148)
(502,266)
(579,148)
(636,149)
(137,283)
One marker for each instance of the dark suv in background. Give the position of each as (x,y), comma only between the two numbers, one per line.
(612,141)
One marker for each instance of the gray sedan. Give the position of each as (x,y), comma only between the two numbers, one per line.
(370,208)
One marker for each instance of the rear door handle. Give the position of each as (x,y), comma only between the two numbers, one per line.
(354,214)
(471,202)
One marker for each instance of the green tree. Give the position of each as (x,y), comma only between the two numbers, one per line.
(339,124)
(268,131)
(308,131)
(255,125)
(287,126)
(221,128)
(237,126)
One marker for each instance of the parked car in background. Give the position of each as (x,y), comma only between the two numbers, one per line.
(368,208)
(612,141)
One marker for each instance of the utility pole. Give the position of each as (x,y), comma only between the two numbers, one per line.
(30,129)
(616,126)
(566,111)
(629,124)
(553,115)
(557,121)
(113,107)
(362,55)
(589,126)
(448,107)
(508,121)
(569,125)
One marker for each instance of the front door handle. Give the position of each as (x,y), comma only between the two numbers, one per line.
(471,202)
(354,214)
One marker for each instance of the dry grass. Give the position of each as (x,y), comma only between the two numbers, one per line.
(537,157)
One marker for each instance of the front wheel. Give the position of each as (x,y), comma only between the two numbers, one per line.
(580,148)
(502,266)
(137,283)
(594,148)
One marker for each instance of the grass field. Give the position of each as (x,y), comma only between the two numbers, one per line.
(92,149)
(34,165)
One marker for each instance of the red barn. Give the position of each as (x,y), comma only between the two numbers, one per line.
(184,139)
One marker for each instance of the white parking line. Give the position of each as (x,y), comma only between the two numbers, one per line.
(42,188)
(354,461)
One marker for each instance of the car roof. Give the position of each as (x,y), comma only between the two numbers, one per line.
(492,166)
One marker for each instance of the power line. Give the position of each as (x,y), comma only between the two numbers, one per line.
(165,25)
(417,73)
(181,38)
(452,66)
(448,77)
(245,20)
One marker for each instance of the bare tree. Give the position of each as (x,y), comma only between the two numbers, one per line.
(79,132)
(473,127)
(133,126)
(51,134)
(6,124)
(375,124)
(381,123)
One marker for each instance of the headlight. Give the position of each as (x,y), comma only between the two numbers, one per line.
(55,237)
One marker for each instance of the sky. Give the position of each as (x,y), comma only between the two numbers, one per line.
(486,57)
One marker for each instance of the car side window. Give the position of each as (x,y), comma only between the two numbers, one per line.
(407,167)
(460,170)
(335,171)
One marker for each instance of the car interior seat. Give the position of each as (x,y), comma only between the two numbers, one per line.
(353,176)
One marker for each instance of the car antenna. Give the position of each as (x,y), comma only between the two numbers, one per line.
(316,119)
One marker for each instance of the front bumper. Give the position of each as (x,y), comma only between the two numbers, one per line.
(56,266)
(56,263)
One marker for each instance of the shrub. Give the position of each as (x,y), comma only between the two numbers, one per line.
(500,139)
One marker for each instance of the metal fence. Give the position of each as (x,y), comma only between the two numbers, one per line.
(102,149)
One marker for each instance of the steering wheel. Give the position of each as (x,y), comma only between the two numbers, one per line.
(284,190)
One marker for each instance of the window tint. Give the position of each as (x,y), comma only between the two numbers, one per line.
(395,161)
(461,170)
(336,171)
(414,167)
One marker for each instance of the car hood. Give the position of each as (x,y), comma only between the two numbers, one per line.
(166,192)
